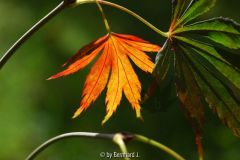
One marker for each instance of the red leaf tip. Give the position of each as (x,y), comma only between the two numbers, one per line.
(199,143)
(141,118)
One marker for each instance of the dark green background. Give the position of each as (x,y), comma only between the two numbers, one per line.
(33,110)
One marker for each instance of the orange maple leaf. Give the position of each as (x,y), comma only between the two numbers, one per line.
(116,50)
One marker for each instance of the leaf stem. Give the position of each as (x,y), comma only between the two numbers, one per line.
(165,34)
(68,135)
(31,31)
(158,145)
(104,17)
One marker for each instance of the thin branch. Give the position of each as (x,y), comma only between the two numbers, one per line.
(68,135)
(31,31)
(53,13)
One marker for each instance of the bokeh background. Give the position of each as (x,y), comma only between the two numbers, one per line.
(33,110)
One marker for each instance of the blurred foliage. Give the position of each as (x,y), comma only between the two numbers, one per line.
(33,110)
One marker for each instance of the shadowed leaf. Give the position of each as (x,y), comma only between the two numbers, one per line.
(191,76)
(162,63)
(220,98)
(189,95)
(222,61)
(160,99)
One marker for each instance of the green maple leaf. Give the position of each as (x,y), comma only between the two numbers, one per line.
(193,80)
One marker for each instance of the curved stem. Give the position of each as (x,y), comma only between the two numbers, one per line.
(68,135)
(104,17)
(31,31)
(124,9)
(158,145)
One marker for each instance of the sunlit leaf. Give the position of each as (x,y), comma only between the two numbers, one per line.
(177,7)
(221,30)
(116,50)
(196,8)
